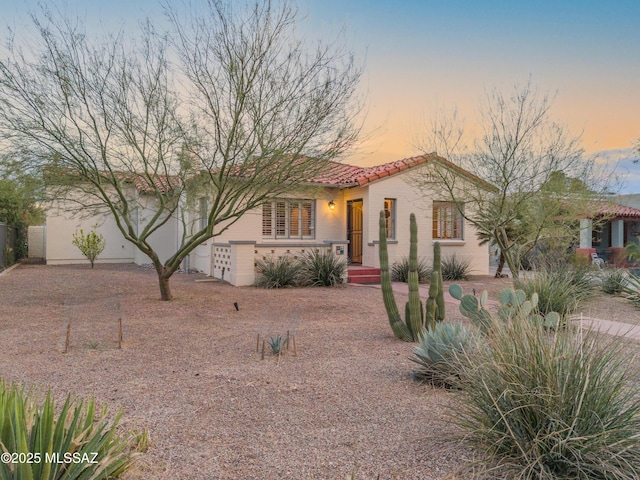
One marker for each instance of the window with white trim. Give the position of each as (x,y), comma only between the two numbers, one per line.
(288,218)
(390,216)
(447,221)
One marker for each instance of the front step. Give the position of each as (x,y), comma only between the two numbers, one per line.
(361,274)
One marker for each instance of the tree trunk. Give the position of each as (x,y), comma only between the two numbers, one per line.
(500,265)
(165,290)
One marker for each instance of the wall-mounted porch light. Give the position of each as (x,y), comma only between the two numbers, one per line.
(332,205)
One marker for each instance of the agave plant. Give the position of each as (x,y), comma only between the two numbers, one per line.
(71,445)
(438,349)
(277,344)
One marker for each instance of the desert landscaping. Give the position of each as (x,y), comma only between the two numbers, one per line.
(190,374)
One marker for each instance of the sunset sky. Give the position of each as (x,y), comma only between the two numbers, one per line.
(423,55)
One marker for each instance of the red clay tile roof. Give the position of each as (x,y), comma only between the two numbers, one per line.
(617,210)
(344,175)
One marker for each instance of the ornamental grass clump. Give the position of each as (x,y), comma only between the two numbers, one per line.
(322,268)
(39,441)
(454,268)
(550,404)
(400,270)
(279,272)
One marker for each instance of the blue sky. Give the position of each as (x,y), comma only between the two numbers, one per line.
(422,55)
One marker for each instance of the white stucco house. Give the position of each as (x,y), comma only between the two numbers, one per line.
(340,211)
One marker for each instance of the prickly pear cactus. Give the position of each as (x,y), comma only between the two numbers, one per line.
(514,306)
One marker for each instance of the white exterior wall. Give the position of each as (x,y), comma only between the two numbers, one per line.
(330,225)
(410,200)
(61,226)
(60,229)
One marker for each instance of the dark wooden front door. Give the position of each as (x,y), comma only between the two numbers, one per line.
(354,230)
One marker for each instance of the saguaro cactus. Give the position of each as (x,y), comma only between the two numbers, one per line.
(400,329)
(437,267)
(431,307)
(414,312)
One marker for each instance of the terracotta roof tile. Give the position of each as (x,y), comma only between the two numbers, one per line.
(617,210)
(344,175)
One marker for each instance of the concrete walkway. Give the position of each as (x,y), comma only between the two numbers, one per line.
(619,329)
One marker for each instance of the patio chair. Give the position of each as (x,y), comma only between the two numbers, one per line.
(597,260)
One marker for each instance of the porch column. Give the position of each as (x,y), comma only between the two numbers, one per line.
(586,233)
(617,234)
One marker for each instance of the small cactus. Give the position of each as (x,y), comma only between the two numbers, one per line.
(437,267)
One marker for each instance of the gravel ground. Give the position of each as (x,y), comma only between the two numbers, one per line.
(189,373)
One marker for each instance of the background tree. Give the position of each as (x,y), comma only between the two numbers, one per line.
(228,105)
(528,158)
(20,194)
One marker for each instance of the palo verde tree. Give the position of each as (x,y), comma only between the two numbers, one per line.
(227,105)
(523,153)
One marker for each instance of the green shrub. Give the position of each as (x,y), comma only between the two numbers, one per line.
(400,270)
(550,405)
(613,281)
(561,290)
(322,269)
(277,272)
(93,445)
(631,290)
(454,268)
(91,245)
(438,349)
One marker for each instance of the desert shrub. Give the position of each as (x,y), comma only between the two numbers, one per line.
(42,436)
(561,290)
(91,245)
(613,281)
(278,272)
(550,404)
(454,268)
(322,269)
(400,270)
(631,290)
(437,351)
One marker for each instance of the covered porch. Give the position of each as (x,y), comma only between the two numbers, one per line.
(607,233)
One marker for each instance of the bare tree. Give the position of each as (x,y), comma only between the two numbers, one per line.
(531,160)
(228,105)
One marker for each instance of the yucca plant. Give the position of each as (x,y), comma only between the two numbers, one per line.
(613,281)
(631,290)
(322,269)
(400,270)
(437,351)
(72,444)
(277,272)
(454,268)
(551,405)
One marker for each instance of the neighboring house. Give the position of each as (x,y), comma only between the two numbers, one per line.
(337,211)
(616,225)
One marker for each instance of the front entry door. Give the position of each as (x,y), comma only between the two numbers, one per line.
(354,230)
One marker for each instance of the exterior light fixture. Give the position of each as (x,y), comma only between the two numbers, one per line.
(332,205)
